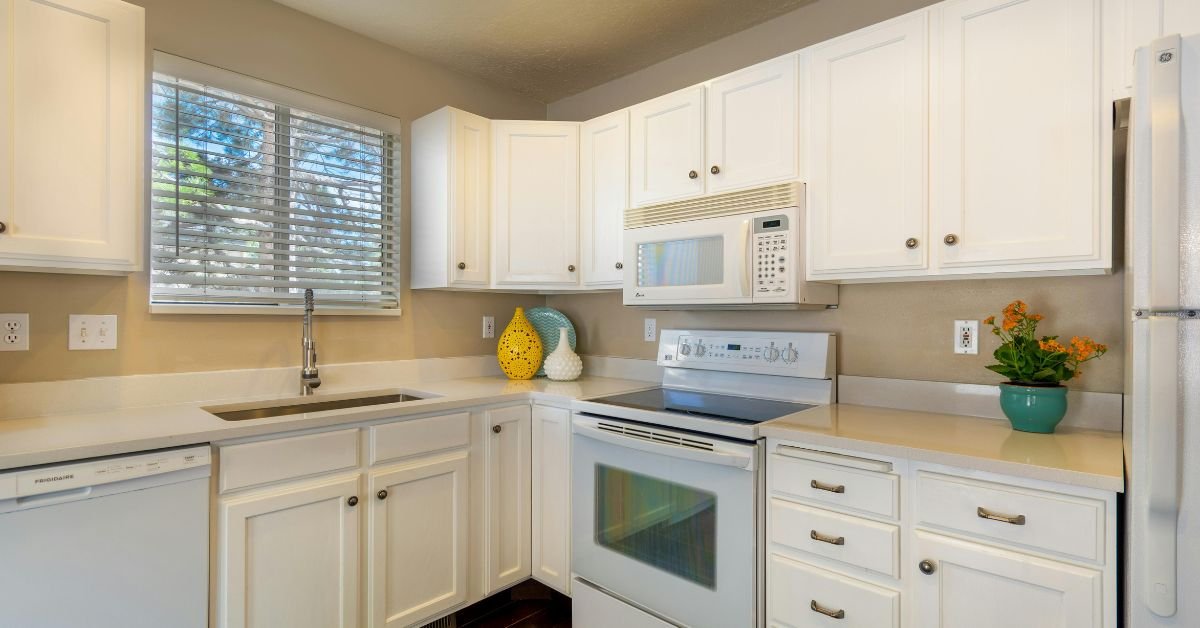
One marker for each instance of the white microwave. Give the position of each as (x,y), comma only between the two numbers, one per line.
(741,249)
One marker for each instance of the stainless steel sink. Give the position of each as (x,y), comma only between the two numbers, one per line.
(247,414)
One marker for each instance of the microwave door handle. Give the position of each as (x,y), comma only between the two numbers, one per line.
(687,453)
(747,259)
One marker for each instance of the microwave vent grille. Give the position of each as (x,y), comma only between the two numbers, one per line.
(730,203)
(655,436)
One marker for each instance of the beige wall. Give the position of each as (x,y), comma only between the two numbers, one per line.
(268,41)
(900,330)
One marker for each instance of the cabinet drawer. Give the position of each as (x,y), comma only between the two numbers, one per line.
(794,472)
(418,436)
(804,596)
(251,464)
(1056,523)
(867,544)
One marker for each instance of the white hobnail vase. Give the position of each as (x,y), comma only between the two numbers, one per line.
(563,365)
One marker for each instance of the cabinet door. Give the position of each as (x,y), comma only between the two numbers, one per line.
(508,478)
(72,102)
(866,151)
(535,195)
(666,139)
(982,587)
(289,556)
(604,195)
(1017,164)
(417,548)
(752,119)
(470,204)
(552,497)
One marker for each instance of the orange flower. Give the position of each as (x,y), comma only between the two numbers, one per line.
(1036,317)
(1083,348)
(1052,346)
(1009,324)
(991,320)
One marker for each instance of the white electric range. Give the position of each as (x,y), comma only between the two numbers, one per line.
(668,482)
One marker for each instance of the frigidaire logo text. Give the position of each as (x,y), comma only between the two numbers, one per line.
(55,478)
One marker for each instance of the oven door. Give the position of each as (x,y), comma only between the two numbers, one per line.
(693,262)
(667,520)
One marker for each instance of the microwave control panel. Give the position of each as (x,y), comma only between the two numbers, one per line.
(773,267)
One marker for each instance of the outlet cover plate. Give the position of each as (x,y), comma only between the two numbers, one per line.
(14,332)
(650,333)
(92,332)
(489,326)
(966,337)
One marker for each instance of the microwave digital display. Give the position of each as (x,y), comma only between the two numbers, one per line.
(771,224)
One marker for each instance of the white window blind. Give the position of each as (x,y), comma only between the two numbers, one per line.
(253,201)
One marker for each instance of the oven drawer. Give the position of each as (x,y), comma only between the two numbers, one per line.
(797,472)
(1051,522)
(804,596)
(853,540)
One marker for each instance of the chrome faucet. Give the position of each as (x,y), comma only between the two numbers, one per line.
(309,376)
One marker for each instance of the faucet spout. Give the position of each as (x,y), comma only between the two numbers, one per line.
(310,378)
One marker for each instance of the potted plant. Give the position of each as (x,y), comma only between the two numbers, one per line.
(1034,398)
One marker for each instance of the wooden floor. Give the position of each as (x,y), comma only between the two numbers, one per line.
(527,605)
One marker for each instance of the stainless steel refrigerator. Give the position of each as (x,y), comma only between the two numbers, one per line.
(1161,552)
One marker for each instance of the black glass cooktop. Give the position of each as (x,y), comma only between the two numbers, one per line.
(706,405)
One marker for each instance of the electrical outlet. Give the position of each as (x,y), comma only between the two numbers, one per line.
(651,330)
(489,326)
(15,330)
(966,337)
(88,332)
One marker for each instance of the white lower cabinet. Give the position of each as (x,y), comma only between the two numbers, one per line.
(508,458)
(289,556)
(805,596)
(975,586)
(552,497)
(417,540)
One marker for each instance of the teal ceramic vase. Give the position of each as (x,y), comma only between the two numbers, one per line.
(1037,409)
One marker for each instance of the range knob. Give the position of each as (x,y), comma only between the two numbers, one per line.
(772,353)
(790,354)
(700,348)
(685,348)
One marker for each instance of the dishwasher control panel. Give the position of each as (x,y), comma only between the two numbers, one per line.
(50,479)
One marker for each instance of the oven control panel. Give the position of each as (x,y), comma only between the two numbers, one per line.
(772,250)
(800,354)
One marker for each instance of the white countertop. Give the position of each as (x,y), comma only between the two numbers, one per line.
(1074,456)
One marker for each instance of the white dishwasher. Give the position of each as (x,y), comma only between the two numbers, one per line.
(107,543)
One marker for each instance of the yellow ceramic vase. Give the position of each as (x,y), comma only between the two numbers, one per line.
(520,348)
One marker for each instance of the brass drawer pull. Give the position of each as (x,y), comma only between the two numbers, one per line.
(984,513)
(828,612)
(839,488)
(832,540)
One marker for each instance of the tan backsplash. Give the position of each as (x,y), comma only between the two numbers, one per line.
(895,330)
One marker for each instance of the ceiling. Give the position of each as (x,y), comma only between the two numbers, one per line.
(547,49)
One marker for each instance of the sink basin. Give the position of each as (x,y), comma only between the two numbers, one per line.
(247,414)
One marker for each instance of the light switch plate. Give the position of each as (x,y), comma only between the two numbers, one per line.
(14,332)
(966,337)
(92,332)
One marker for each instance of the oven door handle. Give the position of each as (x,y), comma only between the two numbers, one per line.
(677,451)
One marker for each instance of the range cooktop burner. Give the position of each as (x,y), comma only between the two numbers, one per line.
(747,410)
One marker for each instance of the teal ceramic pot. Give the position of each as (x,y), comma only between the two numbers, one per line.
(1037,409)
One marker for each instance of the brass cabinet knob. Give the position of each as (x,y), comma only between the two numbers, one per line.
(911,243)
(927,567)
(3,227)
(619,265)
(571,268)
(353,501)
(950,239)
(462,265)
(382,494)
(715,170)
(496,429)
(692,174)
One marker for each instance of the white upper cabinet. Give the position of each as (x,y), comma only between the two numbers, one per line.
(603,197)
(867,146)
(1017,170)
(751,122)
(535,200)
(72,108)
(666,138)
(451,200)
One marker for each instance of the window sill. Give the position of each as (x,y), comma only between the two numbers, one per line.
(265,310)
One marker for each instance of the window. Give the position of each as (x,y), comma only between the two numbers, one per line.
(254,200)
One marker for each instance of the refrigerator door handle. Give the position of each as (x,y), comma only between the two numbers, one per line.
(1157,408)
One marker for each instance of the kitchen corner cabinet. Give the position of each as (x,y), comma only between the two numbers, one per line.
(451,199)
(535,204)
(603,197)
(507,461)
(552,497)
(72,76)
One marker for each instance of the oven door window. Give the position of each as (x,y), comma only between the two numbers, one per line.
(668,526)
(681,263)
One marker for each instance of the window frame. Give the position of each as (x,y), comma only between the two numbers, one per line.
(187,69)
